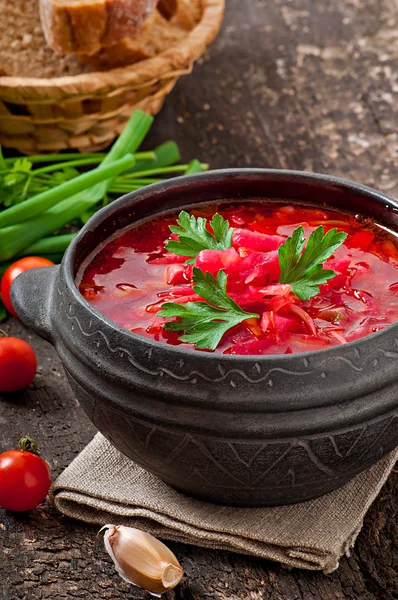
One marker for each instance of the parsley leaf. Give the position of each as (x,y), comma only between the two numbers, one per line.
(194,237)
(205,324)
(15,182)
(303,270)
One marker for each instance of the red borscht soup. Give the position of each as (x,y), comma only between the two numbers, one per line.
(259,278)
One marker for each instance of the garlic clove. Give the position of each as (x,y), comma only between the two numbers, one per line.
(141,559)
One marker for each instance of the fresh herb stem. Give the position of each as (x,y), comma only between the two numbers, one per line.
(50,158)
(132,137)
(196,167)
(96,157)
(56,244)
(136,181)
(79,162)
(162,171)
(164,155)
(41,202)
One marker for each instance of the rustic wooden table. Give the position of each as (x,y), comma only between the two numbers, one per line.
(299,84)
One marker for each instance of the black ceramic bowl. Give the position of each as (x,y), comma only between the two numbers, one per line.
(248,431)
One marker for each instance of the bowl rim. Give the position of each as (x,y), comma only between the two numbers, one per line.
(191,180)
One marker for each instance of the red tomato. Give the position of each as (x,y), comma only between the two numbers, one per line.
(24,264)
(17,364)
(24,480)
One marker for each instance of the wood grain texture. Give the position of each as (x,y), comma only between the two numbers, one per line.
(291,84)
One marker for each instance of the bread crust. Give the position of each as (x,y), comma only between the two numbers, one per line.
(156,35)
(86,26)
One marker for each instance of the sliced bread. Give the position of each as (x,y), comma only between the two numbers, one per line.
(86,26)
(156,35)
(23,51)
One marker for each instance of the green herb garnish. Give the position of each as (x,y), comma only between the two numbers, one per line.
(303,270)
(205,324)
(193,237)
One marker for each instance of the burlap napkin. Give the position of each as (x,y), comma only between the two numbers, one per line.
(103,486)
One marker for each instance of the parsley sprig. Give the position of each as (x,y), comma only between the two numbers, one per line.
(303,269)
(193,237)
(205,324)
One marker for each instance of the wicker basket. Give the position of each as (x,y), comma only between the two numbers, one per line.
(86,112)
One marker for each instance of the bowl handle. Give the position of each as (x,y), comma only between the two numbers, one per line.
(31,296)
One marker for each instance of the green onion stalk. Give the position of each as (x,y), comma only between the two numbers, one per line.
(30,226)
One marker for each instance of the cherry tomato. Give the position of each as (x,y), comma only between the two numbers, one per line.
(24,477)
(24,264)
(17,364)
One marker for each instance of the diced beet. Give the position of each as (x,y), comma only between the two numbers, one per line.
(212,261)
(186,290)
(254,267)
(240,334)
(175,274)
(253,240)
(361,240)
(283,323)
(250,295)
(260,268)
(339,266)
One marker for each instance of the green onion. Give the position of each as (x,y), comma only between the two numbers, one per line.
(56,244)
(165,155)
(43,200)
(95,157)
(14,238)
(77,162)
(161,171)
(195,167)
(38,204)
